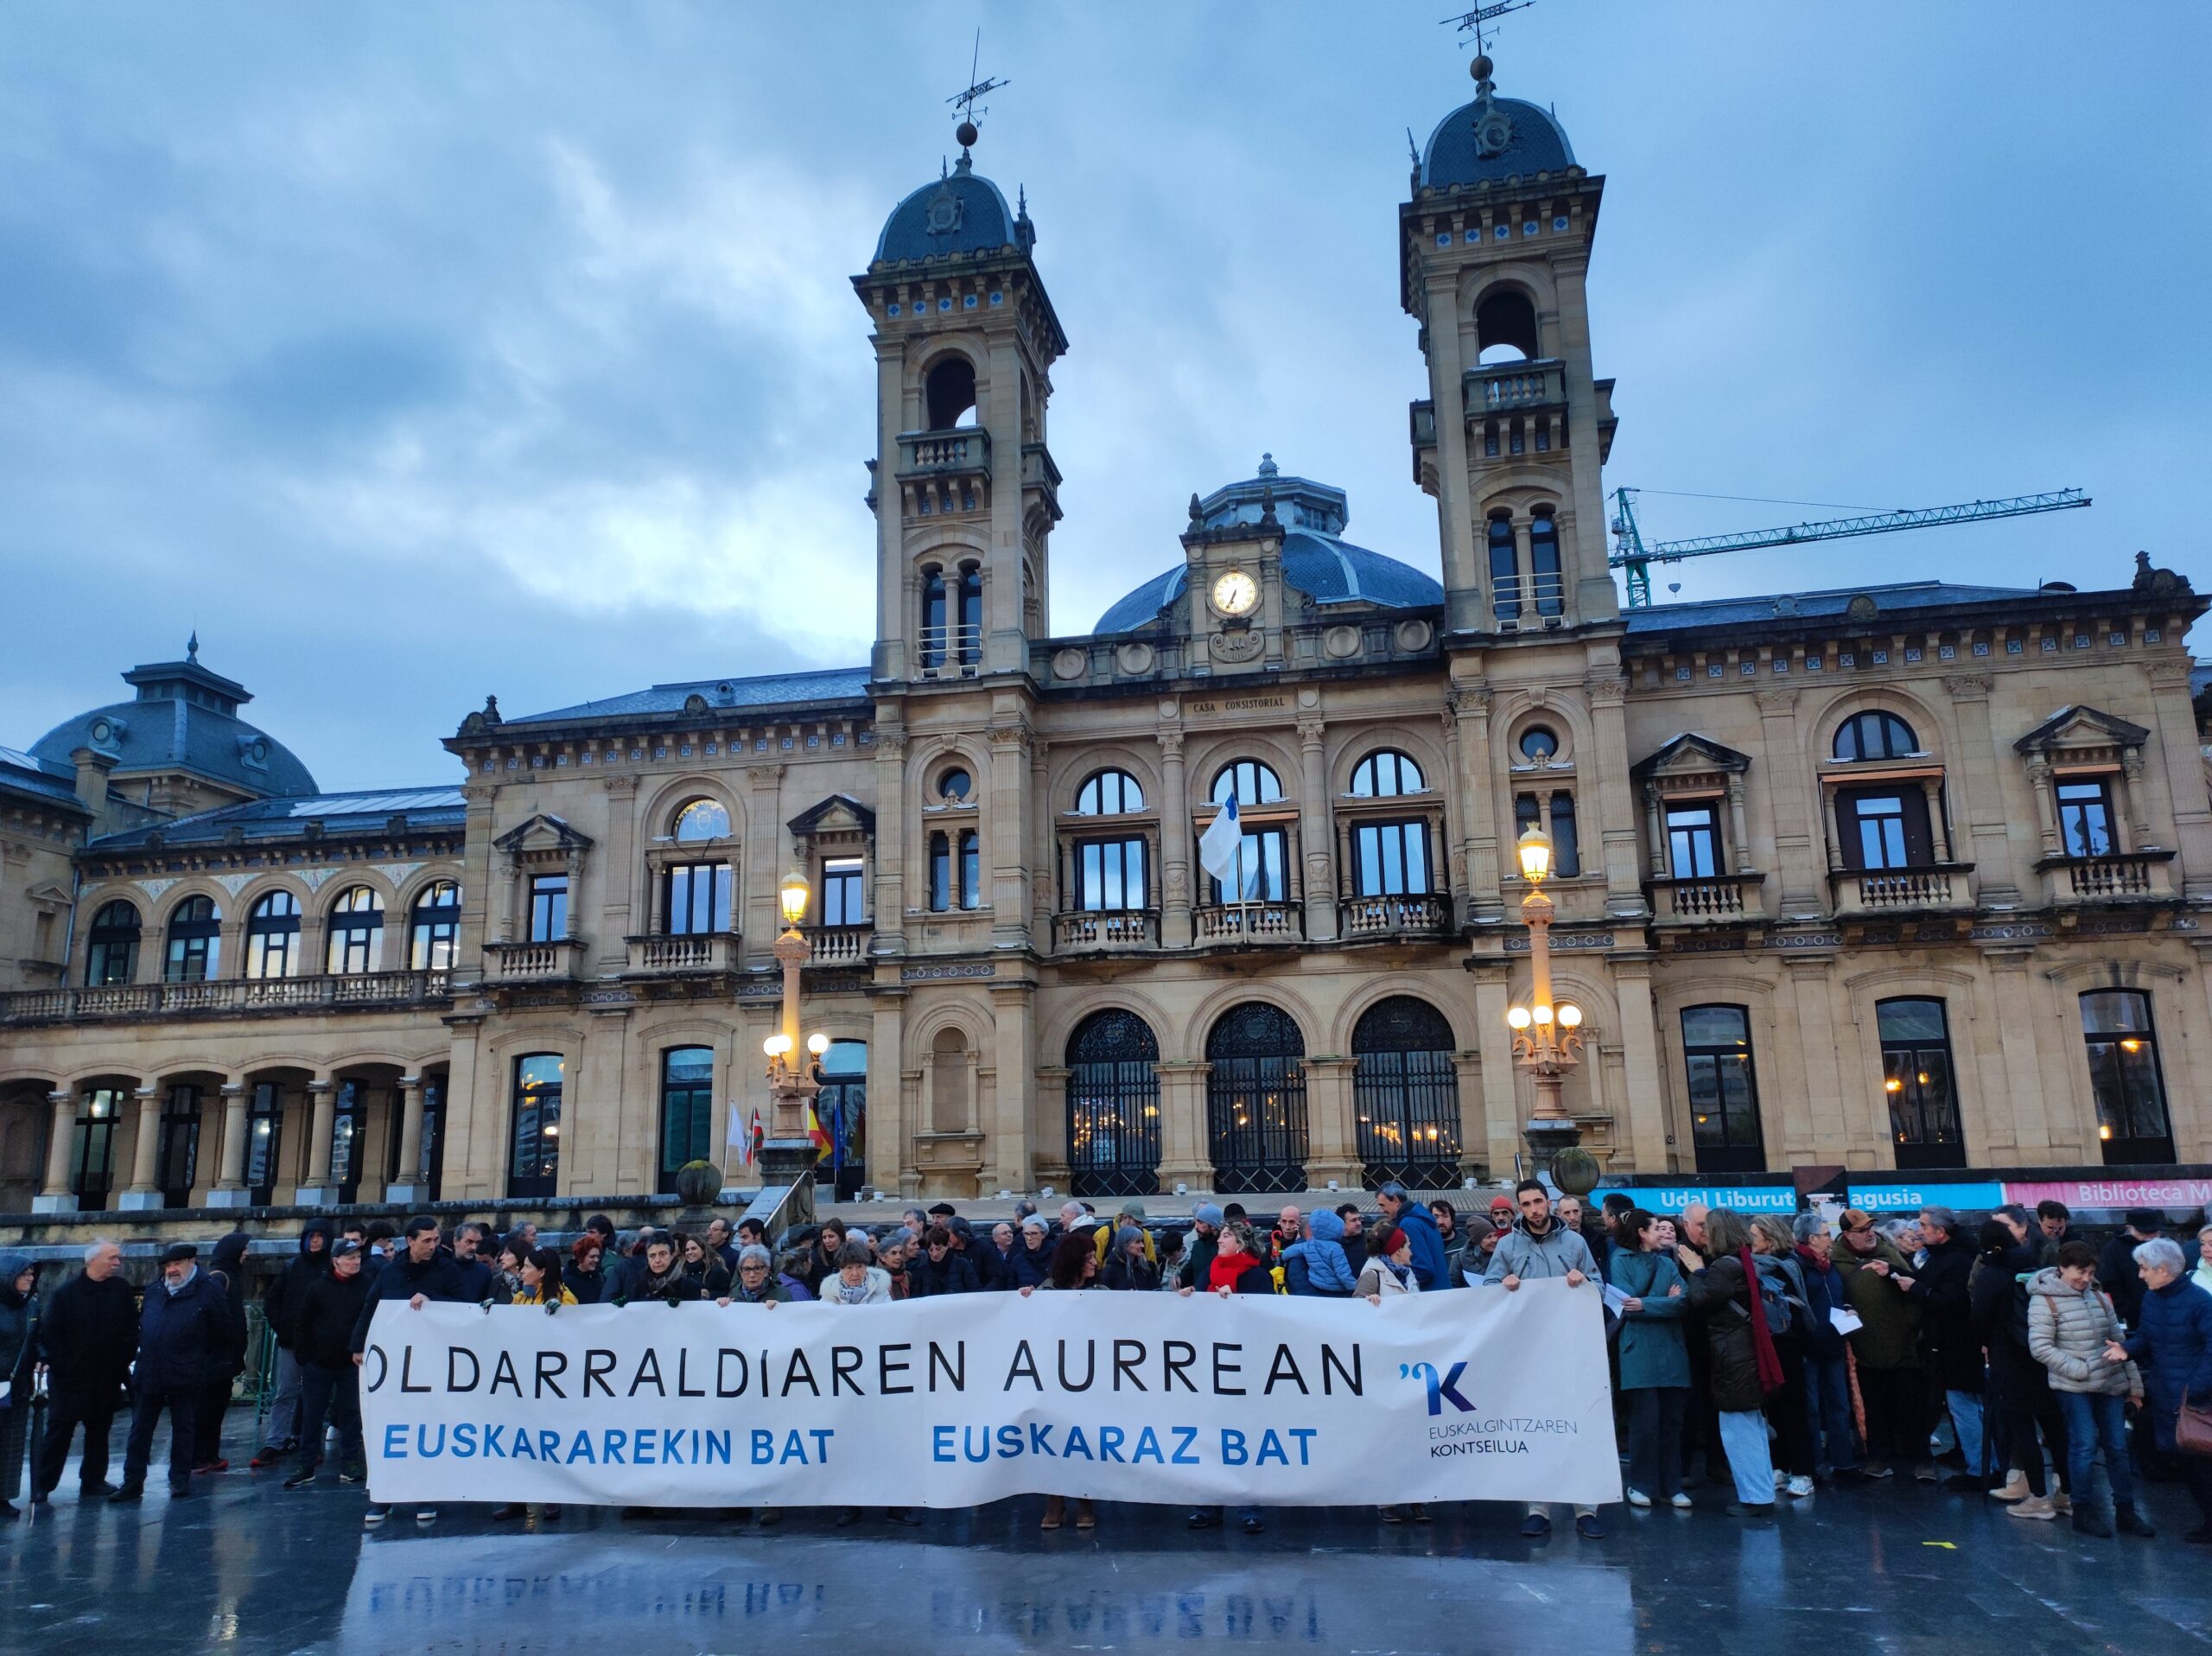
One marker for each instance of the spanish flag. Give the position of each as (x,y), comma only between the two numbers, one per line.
(816,1132)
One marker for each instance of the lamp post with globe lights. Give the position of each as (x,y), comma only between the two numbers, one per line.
(787,1154)
(1547,1035)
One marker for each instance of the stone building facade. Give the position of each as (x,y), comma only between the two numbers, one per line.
(1911,876)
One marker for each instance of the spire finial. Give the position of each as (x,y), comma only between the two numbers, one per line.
(192,646)
(965,102)
(1267,467)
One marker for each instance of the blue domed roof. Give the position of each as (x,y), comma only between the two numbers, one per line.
(1493,138)
(185,718)
(1316,559)
(961,212)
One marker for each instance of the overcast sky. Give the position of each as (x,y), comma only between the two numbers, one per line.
(413,351)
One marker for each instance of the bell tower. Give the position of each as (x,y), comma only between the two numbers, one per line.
(1495,249)
(964,490)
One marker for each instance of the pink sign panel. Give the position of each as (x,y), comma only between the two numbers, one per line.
(2114,1192)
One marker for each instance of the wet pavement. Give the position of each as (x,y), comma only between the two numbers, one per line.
(1901,1568)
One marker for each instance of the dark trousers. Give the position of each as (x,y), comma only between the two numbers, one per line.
(1786,1411)
(1896,1418)
(2196,1472)
(1655,1440)
(64,1415)
(332,1394)
(208,1422)
(183,1403)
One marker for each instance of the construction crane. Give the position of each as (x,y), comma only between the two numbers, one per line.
(1631,553)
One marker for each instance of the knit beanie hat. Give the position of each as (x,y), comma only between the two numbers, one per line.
(1207,1213)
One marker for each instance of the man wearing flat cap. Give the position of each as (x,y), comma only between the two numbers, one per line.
(183,1337)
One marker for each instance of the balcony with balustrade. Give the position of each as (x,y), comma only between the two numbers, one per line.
(1708,899)
(1366,919)
(688,954)
(1105,931)
(841,947)
(2116,879)
(952,652)
(533,963)
(1933,890)
(1244,925)
(228,998)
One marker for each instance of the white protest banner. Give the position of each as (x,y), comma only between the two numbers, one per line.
(1477,1394)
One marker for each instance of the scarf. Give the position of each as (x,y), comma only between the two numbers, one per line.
(175,1289)
(850,1294)
(1403,1273)
(1770,1360)
(1228,1269)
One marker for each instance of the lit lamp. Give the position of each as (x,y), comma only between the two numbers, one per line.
(788,1154)
(1547,1035)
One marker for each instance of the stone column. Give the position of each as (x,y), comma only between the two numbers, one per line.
(1478,803)
(1006,1149)
(1474,1134)
(322,1120)
(230,1189)
(1184,1158)
(888,1126)
(1738,827)
(1175,845)
(1607,805)
(1647,1097)
(57,1197)
(410,1186)
(1006,852)
(144,1192)
(1333,1151)
(1500,1095)
(1315,833)
(1655,827)
(886,870)
(762,872)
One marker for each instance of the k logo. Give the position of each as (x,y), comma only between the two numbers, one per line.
(1440,1391)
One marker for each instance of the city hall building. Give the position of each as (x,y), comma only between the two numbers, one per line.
(1904,877)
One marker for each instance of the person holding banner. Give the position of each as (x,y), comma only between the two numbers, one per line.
(1390,1271)
(417,1275)
(539,1280)
(1744,1363)
(1235,1268)
(330,1385)
(1655,1358)
(756,1283)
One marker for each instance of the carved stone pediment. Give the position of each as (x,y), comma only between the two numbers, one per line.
(1691,757)
(2083,732)
(542,838)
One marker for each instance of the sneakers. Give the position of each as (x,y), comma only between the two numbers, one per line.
(1638,1497)
(2061,1502)
(1587,1526)
(1679,1501)
(1202,1519)
(1799,1487)
(128,1494)
(1925,1471)
(352,1474)
(2015,1487)
(1878,1470)
(1964,1483)
(426,1514)
(2034,1506)
(265,1457)
(1535,1526)
(2088,1523)
(2129,1521)
(375,1516)
(208,1468)
(1253,1525)
(1753,1509)
(1391,1514)
(301,1480)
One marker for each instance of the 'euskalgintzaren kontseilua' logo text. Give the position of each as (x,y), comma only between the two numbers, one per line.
(1468,1430)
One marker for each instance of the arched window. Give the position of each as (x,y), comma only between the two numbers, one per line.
(433,933)
(1504,569)
(1543,562)
(702,819)
(1724,1091)
(272,936)
(1505,326)
(1386,773)
(954,786)
(950,390)
(841,1107)
(356,932)
(1875,735)
(194,942)
(1113,1106)
(92,1152)
(534,1156)
(1539,744)
(1406,1094)
(1256,1099)
(687,1111)
(1108,793)
(933,617)
(113,956)
(949,1082)
(1252,782)
(176,1158)
(2133,1126)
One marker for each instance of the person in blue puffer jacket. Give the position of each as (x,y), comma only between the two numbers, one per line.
(1319,1262)
(1430,1270)
(2172,1346)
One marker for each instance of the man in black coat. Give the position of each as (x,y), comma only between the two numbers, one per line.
(281,1306)
(2116,1264)
(86,1338)
(184,1340)
(330,1385)
(940,1269)
(471,1239)
(418,1273)
(1942,1286)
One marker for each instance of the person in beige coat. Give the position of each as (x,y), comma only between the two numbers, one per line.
(2071,1322)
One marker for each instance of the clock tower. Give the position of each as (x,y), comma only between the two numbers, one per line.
(1237,602)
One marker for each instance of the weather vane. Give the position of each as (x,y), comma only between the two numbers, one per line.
(964,102)
(1474,20)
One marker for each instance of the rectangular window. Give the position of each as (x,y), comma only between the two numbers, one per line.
(1109,876)
(2133,1125)
(534,1159)
(1262,868)
(1724,1094)
(940,873)
(353,948)
(2085,818)
(687,1111)
(179,1162)
(1693,842)
(1917,1083)
(844,900)
(1885,828)
(971,869)
(549,907)
(349,1133)
(1390,859)
(696,898)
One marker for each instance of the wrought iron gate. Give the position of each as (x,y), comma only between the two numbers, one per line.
(1406,1095)
(1113,1106)
(1255,1100)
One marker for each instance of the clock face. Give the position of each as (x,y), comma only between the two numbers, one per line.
(1235,593)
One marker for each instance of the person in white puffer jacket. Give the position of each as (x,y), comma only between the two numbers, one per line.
(2071,1322)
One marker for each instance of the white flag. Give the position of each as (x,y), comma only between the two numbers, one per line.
(1218,845)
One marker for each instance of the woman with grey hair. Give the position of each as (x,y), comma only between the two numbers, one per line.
(1774,1252)
(756,1282)
(2173,1347)
(2201,1276)
(1828,1355)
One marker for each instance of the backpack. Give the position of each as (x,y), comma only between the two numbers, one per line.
(1786,1314)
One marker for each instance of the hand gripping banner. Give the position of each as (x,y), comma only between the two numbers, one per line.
(1472,1395)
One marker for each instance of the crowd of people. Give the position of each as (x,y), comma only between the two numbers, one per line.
(1767,1355)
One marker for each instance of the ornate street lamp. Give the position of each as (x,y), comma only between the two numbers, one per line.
(787,1154)
(1547,1035)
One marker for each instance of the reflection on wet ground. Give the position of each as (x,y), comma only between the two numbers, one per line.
(250,1569)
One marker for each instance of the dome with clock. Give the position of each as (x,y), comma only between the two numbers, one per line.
(1493,139)
(1316,560)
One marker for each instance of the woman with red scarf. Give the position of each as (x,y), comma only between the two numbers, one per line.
(1746,1366)
(1237,1268)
